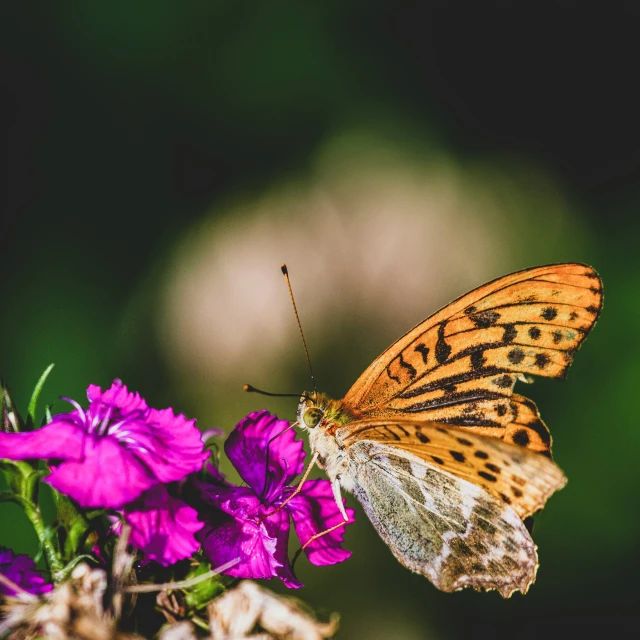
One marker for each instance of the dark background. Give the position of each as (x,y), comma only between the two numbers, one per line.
(130,124)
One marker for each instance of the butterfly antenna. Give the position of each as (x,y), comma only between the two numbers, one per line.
(285,273)
(250,389)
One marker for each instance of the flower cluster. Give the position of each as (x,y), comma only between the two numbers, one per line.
(120,455)
(251,522)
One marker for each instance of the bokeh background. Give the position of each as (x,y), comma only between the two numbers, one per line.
(165,157)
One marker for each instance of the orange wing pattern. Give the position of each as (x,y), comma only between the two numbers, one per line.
(519,477)
(526,429)
(460,365)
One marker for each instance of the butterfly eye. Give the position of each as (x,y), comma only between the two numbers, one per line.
(311,417)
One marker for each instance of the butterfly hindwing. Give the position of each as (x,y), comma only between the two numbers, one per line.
(517,476)
(460,365)
(446,528)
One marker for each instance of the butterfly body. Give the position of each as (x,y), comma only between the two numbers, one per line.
(445,459)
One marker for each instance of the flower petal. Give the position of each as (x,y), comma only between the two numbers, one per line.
(21,570)
(278,525)
(233,530)
(314,510)
(169,445)
(247,447)
(118,397)
(163,527)
(108,476)
(59,440)
(225,538)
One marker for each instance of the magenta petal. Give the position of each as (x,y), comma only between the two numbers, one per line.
(246,447)
(278,525)
(118,397)
(237,533)
(108,476)
(169,445)
(163,527)
(21,570)
(59,440)
(314,510)
(225,538)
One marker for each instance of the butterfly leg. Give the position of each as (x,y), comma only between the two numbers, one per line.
(337,495)
(318,535)
(297,489)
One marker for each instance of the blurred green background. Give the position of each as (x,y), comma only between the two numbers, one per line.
(164,158)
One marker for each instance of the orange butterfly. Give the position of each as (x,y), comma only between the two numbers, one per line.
(446,460)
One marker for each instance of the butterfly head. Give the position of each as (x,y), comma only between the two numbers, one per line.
(317,409)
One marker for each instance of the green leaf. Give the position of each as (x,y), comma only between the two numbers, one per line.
(201,594)
(31,412)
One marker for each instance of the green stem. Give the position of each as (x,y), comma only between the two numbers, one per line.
(53,558)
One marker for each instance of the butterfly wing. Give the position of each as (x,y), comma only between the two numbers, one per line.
(439,525)
(460,365)
(516,476)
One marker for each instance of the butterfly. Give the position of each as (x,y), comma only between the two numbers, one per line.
(445,459)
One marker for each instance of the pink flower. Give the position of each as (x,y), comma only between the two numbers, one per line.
(21,570)
(162,527)
(114,451)
(243,524)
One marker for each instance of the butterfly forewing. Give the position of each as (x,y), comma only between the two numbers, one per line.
(459,366)
(518,477)
(442,526)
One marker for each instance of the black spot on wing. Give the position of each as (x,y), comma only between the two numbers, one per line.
(492,467)
(457,455)
(542,360)
(469,310)
(487,476)
(478,359)
(481,454)
(501,409)
(465,442)
(534,333)
(573,315)
(437,460)
(423,351)
(521,437)
(503,382)
(515,356)
(510,333)
(424,439)
(485,319)
(557,336)
(549,313)
(442,348)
